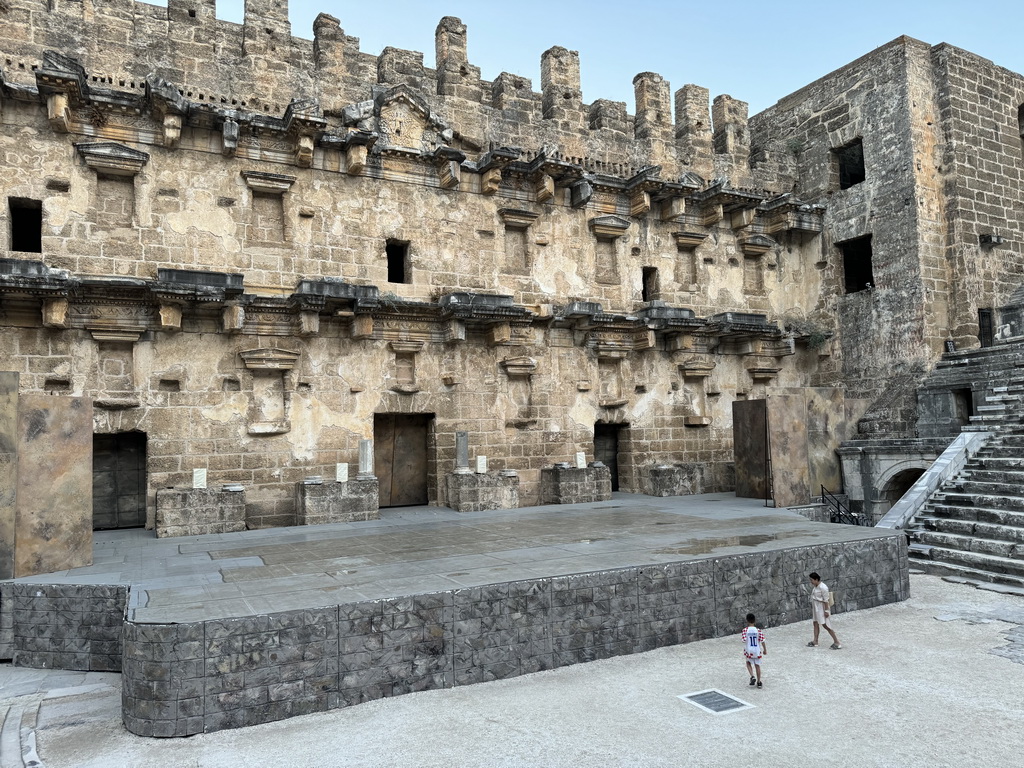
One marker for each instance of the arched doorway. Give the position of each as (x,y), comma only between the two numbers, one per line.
(899,484)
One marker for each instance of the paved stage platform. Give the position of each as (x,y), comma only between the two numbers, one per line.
(226,630)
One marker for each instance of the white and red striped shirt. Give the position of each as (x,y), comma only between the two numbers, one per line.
(753,642)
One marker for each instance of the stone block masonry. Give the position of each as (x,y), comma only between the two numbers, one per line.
(198,511)
(345,502)
(568,485)
(64,626)
(183,679)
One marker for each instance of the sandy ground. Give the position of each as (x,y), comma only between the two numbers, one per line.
(917,683)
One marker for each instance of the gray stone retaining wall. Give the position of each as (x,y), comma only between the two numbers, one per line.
(182,679)
(65,626)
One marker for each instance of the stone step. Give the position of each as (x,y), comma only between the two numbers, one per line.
(973,487)
(1007,476)
(973,544)
(1007,517)
(991,531)
(939,568)
(996,463)
(969,501)
(994,564)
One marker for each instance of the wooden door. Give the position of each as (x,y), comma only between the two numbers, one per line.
(750,448)
(606,449)
(400,458)
(119,480)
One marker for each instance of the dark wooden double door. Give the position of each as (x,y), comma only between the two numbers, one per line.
(119,480)
(400,457)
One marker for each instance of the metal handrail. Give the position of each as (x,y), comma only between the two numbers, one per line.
(840,513)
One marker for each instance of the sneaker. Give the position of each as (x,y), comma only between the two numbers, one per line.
(759,684)
(812,645)
(836,647)
(753,680)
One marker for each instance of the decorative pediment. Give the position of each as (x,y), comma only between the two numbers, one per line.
(609,227)
(756,245)
(404,120)
(112,159)
(517,217)
(269,359)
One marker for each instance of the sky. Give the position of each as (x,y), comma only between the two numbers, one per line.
(757,52)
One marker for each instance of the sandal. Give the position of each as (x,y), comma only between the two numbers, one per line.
(753,680)
(759,684)
(836,647)
(812,645)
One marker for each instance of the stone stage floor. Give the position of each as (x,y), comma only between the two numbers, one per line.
(418,550)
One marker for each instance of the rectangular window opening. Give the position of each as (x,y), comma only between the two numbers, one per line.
(397,252)
(857,272)
(986,333)
(850,163)
(649,289)
(26,218)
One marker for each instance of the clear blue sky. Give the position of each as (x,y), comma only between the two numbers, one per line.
(754,51)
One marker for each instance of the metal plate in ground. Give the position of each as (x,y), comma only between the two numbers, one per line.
(715,701)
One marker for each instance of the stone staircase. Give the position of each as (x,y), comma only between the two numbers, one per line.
(973,526)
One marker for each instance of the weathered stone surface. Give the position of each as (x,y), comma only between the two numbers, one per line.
(192,678)
(346,502)
(198,511)
(54,494)
(475,492)
(8,470)
(569,485)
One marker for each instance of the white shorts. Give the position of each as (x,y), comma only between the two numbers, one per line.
(756,660)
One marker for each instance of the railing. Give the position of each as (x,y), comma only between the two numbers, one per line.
(838,512)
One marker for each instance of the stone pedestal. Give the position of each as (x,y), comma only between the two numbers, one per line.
(568,485)
(479,492)
(337,502)
(198,511)
(677,479)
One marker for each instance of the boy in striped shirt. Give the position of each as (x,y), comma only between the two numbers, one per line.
(754,647)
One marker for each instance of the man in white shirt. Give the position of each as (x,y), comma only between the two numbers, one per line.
(820,611)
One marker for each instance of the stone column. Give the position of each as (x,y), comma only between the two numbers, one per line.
(462,453)
(365,460)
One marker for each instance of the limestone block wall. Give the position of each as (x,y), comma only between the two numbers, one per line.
(881,331)
(181,679)
(980,108)
(477,492)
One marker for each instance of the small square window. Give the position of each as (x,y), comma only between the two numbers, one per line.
(26,218)
(857,272)
(397,252)
(849,161)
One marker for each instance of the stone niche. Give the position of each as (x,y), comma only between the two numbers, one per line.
(45,481)
(347,502)
(477,492)
(568,485)
(198,511)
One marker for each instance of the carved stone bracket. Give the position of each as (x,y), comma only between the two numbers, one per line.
(609,227)
(265,359)
(519,367)
(516,217)
(268,183)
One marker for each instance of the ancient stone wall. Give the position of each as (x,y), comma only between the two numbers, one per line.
(940,130)
(983,166)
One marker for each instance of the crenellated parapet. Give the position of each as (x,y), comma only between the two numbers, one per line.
(259,66)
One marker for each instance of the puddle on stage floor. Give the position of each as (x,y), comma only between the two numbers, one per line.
(707,546)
